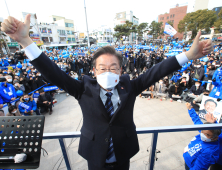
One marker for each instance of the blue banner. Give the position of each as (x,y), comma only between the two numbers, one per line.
(26,107)
(35,95)
(6,67)
(50,88)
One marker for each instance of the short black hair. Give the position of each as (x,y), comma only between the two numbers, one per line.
(107,50)
(11,108)
(210,100)
(216,132)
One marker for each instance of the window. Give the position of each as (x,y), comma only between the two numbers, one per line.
(44,30)
(168,17)
(61,32)
(54,19)
(68,32)
(51,39)
(49,31)
(73,39)
(73,33)
(163,18)
(173,15)
(69,25)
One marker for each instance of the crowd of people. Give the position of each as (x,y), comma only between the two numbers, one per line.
(188,84)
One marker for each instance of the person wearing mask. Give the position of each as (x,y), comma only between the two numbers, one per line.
(18,86)
(198,71)
(210,72)
(109,98)
(203,150)
(28,101)
(175,92)
(7,91)
(45,102)
(160,89)
(13,111)
(196,90)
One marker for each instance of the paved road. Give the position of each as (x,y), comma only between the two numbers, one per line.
(147,113)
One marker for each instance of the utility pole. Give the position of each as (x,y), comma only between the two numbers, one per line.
(86,24)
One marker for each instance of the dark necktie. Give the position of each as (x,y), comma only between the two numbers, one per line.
(110,111)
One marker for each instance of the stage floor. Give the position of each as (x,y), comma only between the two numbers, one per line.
(147,113)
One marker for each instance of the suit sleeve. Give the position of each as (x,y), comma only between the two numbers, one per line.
(55,75)
(154,74)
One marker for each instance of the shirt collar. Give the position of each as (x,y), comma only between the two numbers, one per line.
(104,91)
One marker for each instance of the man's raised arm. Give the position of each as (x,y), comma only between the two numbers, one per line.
(19,31)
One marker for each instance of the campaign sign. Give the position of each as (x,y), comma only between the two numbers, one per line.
(35,95)
(50,88)
(210,105)
(26,107)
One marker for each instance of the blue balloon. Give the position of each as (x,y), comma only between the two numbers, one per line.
(19,65)
(19,93)
(63,53)
(56,58)
(65,56)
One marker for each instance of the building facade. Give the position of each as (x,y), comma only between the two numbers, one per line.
(65,28)
(121,19)
(102,34)
(175,15)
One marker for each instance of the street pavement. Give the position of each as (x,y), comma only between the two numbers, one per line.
(67,117)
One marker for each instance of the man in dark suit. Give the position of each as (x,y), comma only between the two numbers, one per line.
(108,135)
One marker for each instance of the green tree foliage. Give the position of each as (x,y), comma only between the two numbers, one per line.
(201,19)
(170,23)
(141,29)
(218,23)
(156,29)
(124,30)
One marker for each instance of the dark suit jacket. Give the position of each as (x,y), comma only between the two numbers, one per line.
(196,91)
(97,127)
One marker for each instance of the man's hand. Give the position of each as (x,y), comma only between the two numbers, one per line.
(199,48)
(18,30)
(194,102)
(49,102)
(31,111)
(210,118)
(188,105)
(25,112)
(45,102)
(13,98)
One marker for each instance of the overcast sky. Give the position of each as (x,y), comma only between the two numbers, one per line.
(99,12)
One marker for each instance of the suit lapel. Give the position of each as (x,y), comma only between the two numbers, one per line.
(123,98)
(98,101)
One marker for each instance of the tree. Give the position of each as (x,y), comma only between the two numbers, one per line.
(218,23)
(170,23)
(201,19)
(156,29)
(3,42)
(124,30)
(141,29)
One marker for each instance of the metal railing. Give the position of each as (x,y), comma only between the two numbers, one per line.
(154,130)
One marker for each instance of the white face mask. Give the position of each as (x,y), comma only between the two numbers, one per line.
(197,85)
(204,138)
(9,80)
(198,66)
(108,80)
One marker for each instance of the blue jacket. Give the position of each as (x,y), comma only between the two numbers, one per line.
(217,90)
(1,100)
(30,103)
(212,145)
(7,92)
